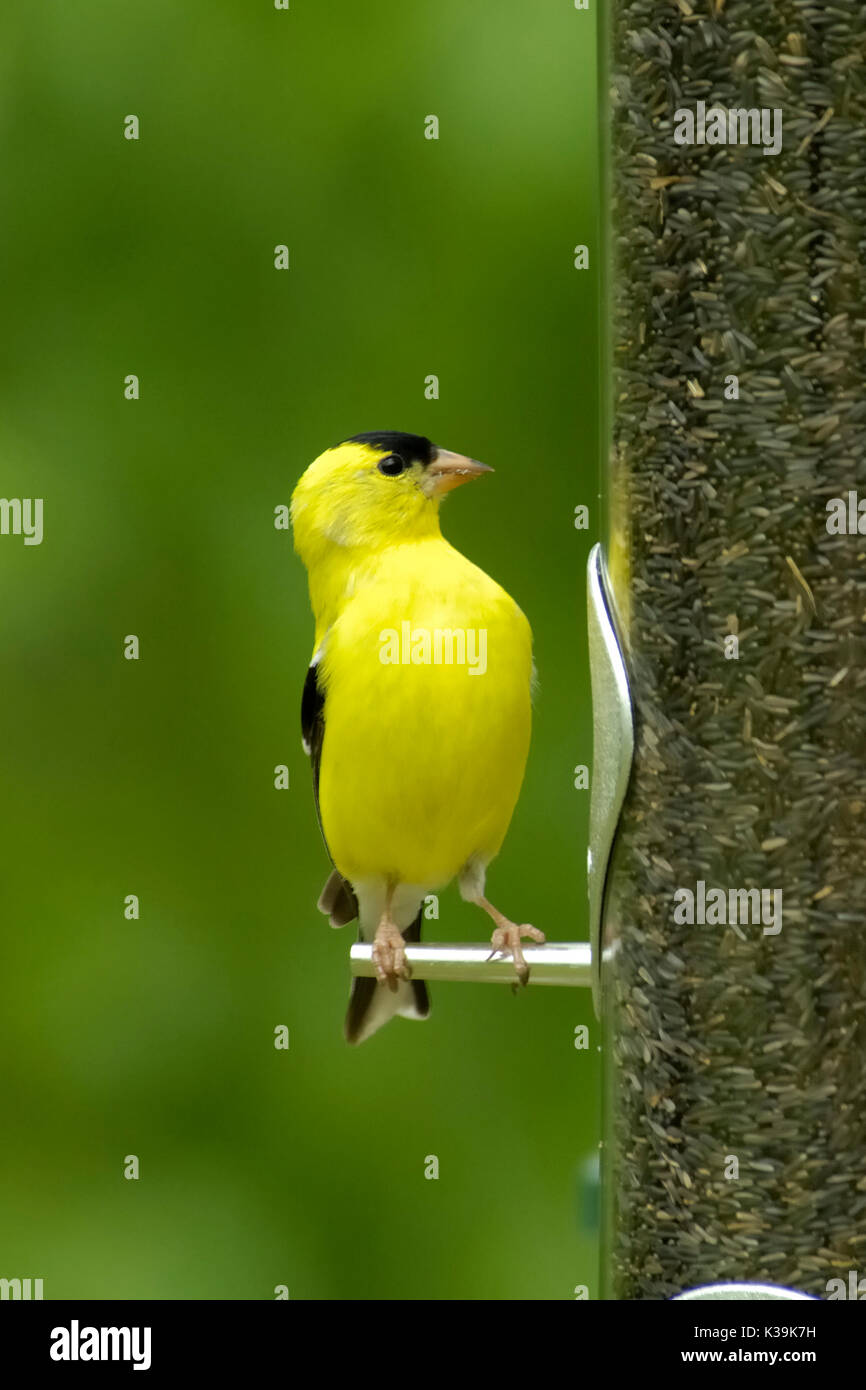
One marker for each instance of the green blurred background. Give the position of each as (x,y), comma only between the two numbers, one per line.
(408,257)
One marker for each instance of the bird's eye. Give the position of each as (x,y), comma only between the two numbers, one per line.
(392,466)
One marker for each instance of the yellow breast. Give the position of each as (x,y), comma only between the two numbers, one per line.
(426,674)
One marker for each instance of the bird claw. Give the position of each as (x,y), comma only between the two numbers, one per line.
(389,956)
(506,940)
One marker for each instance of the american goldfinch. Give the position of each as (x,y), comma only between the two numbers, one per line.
(416,707)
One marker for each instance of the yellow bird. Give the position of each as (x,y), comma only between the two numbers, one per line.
(416,708)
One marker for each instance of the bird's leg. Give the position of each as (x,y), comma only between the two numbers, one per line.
(507,937)
(389,950)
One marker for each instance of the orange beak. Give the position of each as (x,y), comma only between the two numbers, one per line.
(448,471)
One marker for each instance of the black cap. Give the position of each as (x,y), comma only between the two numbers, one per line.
(414,448)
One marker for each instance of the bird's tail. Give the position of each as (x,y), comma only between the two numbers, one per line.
(372,1004)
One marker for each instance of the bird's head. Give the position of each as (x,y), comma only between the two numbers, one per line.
(374,490)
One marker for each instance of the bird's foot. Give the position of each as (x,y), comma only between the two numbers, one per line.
(389,955)
(507,939)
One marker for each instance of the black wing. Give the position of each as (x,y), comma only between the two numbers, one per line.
(338,900)
(313,727)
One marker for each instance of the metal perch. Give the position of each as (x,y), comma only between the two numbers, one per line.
(560,963)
